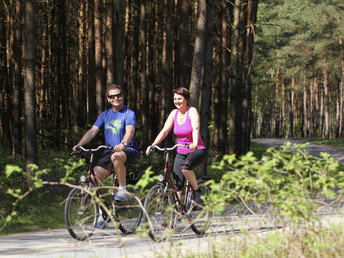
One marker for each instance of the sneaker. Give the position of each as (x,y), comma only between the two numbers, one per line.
(101,224)
(122,195)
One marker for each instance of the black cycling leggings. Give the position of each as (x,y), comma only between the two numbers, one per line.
(188,161)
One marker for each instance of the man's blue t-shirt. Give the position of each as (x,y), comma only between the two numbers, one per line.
(114,124)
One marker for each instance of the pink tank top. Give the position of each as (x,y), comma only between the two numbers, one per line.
(184,134)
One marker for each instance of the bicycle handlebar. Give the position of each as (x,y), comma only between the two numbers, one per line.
(96,149)
(167,149)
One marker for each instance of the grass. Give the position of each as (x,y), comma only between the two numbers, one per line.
(35,217)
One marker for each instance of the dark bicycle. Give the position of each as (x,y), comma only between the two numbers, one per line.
(84,201)
(163,207)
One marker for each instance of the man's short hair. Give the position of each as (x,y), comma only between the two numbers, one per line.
(113,87)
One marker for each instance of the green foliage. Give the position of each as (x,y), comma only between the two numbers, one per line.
(293,184)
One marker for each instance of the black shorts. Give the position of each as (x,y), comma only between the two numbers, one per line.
(105,160)
(187,161)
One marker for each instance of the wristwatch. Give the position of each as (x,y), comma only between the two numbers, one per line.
(125,144)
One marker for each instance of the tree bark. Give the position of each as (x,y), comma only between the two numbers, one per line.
(236,93)
(143,70)
(109,44)
(29,86)
(184,43)
(98,57)
(198,56)
(18,81)
(91,96)
(207,79)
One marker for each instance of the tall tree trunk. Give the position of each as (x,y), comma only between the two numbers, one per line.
(82,84)
(109,22)
(91,108)
(184,43)
(236,93)
(29,86)
(98,56)
(250,20)
(18,81)
(277,105)
(305,110)
(135,81)
(4,80)
(198,56)
(143,70)
(167,64)
(326,105)
(341,119)
(207,78)
(118,30)
(291,110)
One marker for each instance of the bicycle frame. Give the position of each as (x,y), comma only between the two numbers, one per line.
(90,172)
(167,179)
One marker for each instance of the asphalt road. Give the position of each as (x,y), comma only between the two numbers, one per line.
(311,148)
(111,243)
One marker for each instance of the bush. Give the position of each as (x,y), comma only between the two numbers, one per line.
(288,182)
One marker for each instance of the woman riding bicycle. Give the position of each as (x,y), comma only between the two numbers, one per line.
(186,124)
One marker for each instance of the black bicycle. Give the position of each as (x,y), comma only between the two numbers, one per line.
(84,202)
(163,207)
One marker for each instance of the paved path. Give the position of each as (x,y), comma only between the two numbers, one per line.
(312,148)
(111,243)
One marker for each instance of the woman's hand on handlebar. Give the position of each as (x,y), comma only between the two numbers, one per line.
(148,150)
(192,146)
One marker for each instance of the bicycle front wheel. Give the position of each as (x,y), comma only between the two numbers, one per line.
(128,213)
(159,216)
(199,217)
(81,214)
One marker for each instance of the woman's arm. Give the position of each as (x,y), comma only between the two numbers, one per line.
(165,130)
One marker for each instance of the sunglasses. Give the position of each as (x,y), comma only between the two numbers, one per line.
(115,96)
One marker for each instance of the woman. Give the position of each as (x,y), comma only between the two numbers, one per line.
(186,124)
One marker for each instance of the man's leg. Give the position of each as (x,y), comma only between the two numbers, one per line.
(101,173)
(118,159)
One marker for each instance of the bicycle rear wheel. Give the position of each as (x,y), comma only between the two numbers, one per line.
(199,217)
(128,213)
(159,215)
(81,214)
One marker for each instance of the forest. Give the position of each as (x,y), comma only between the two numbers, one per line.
(267,69)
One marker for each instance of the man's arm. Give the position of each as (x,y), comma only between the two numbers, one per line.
(88,136)
(130,130)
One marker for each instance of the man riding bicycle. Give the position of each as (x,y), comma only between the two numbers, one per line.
(119,124)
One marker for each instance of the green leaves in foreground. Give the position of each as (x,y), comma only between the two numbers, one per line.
(292,183)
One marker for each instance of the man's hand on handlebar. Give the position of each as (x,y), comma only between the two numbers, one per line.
(76,149)
(118,147)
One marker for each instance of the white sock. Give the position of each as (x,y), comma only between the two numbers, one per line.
(122,188)
(100,218)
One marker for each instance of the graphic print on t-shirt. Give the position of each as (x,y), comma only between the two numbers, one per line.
(114,126)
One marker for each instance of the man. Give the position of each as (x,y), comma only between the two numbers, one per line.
(119,124)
